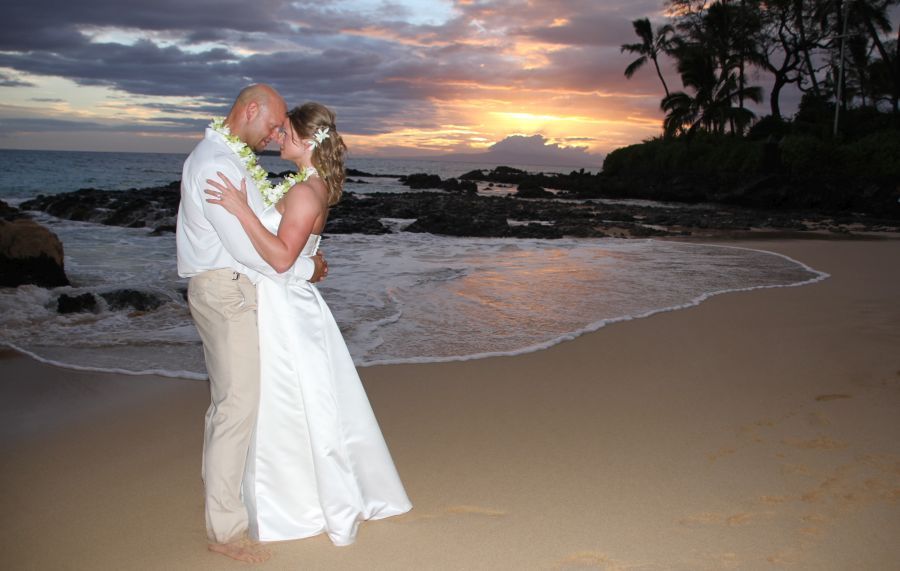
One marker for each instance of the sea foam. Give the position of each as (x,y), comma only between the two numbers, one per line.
(399,298)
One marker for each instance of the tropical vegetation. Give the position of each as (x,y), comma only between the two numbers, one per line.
(840,54)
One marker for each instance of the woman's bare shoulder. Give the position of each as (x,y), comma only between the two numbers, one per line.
(306,195)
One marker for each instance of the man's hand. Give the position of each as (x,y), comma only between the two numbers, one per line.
(321,268)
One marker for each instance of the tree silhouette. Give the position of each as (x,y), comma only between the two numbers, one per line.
(712,107)
(649,48)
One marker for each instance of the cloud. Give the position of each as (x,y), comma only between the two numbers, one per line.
(536,150)
(385,67)
(54,24)
(7,80)
(13,120)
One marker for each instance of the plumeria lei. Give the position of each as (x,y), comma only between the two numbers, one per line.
(271,194)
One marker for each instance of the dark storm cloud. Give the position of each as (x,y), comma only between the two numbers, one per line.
(32,38)
(54,24)
(377,69)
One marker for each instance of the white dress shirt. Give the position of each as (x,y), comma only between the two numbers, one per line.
(208,237)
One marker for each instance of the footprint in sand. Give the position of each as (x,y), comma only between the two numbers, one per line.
(460,510)
(825,398)
(588,560)
(820,443)
(818,419)
(751,432)
(800,469)
(708,518)
(773,500)
(474,510)
(786,556)
(724,451)
(596,560)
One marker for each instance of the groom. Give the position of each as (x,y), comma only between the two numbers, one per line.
(215,253)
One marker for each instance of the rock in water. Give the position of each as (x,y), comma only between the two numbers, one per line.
(529,189)
(421,180)
(124,298)
(76,303)
(483,224)
(29,253)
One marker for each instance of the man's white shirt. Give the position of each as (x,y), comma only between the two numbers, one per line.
(207,236)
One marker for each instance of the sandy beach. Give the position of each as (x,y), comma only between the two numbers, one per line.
(758,430)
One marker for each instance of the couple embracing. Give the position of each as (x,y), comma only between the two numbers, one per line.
(291,447)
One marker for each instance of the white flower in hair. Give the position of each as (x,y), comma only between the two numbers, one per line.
(320,135)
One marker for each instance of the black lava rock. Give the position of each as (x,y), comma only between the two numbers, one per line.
(125,298)
(421,181)
(76,303)
(529,189)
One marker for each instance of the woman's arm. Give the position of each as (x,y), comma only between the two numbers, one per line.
(281,250)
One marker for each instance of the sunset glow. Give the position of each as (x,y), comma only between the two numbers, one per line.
(406,78)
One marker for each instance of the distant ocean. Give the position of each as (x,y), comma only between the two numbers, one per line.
(398,297)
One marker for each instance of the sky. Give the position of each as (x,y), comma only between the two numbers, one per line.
(405,77)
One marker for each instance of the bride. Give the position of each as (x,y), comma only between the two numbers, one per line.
(318,462)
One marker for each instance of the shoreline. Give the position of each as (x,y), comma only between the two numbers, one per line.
(714,242)
(753,431)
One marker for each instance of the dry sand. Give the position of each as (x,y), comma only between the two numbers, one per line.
(759,430)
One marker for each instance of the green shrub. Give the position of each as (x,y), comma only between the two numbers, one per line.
(875,155)
(805,154)
(698,155)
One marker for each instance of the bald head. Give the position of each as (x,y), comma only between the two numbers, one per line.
(256,115)
(258,92)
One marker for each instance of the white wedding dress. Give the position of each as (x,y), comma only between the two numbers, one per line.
(318,462)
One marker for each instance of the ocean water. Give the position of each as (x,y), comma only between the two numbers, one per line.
(398,297)
(25,174)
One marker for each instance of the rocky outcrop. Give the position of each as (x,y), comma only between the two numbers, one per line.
(421,181)
(116,300)
(355,225)
(355,172)
(29,252)
(453,185)
(136,208)
(461,211)
(450,223)
(529,189)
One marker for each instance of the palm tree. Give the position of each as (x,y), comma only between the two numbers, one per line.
(649,48)
(872,17)
(711,108)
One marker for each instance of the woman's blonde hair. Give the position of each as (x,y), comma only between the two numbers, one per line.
(328,156)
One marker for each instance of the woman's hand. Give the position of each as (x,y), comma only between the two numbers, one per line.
(228,196)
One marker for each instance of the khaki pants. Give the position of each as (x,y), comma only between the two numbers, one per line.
(224,310)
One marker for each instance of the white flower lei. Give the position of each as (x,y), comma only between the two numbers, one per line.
(271,194)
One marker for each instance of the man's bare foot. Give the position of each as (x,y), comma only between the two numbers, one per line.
(243,550)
